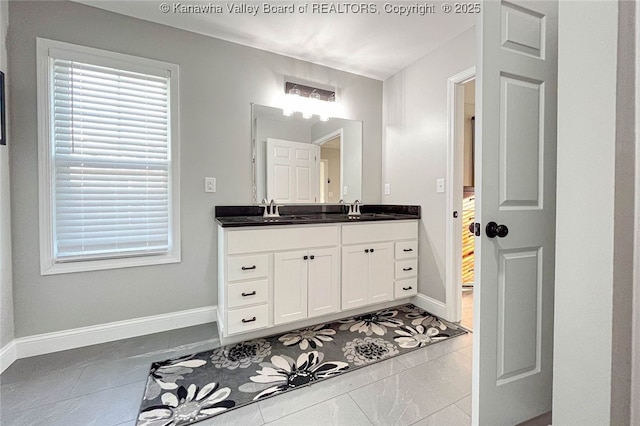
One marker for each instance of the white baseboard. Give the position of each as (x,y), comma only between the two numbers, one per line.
(8,355)
(430,305)
(39,344)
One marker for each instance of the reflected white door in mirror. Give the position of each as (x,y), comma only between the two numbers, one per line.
(292,169)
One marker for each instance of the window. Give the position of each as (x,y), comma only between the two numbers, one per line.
(108,150)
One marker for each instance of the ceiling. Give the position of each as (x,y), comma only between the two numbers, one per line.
(374,45)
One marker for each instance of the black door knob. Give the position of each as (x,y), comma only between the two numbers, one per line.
(494,230)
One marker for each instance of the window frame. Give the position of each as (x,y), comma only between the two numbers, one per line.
(48,264)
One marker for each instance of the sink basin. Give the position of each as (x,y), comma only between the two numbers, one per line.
(377,215)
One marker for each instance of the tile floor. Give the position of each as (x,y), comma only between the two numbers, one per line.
(103,384)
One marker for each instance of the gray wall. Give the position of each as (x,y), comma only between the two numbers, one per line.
(415,148)
(595,188)
(635,364)
(623,255)
(218,82)
(6,290)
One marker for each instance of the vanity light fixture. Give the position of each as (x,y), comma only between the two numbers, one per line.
(291,102)
(308,101)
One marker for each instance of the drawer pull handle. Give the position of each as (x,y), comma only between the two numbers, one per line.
(408,269)
(248,320)
(407,288)
(253,293)
(409,249)
(247,268)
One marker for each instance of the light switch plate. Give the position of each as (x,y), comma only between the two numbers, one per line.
(387,189)
(439,186)
(209,184)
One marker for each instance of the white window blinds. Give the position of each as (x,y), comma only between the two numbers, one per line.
(110,133)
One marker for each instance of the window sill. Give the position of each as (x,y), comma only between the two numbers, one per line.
(50,268)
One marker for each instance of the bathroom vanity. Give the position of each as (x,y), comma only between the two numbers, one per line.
(311,264)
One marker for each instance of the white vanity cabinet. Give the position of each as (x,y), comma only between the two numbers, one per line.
(372,267)
(406,268)
(367,274)
(306,284)
(280,276)
(274,275)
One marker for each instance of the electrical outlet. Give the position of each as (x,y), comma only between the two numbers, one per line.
(387,189)
(439,186)
(209,184)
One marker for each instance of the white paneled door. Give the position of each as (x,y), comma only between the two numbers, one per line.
(515,163)
(292,171)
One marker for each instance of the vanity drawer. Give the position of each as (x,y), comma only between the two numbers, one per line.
(406,249)
(281,238)
(247,293)
(247,319)
(406,269)
(247,267)
(363,233)
(405,288)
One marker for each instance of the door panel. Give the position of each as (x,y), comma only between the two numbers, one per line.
(519,314)
(522,30)
(290,287)
(381,271)
(324,284)
(355,275)
(303,184)
(520,141)
(515,166)
(291,171)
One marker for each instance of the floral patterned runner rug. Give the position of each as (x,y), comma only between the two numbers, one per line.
(188,389)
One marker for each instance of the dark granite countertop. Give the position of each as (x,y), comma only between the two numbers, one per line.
(239,216)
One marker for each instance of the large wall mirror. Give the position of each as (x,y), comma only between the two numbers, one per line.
(298,160)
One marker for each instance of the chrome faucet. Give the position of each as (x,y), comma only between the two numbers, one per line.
(354,209)
(271,209)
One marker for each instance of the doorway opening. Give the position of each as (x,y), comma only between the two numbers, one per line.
(461,198)
(330,170)
(468,203)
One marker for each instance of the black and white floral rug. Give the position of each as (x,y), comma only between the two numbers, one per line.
(188,389)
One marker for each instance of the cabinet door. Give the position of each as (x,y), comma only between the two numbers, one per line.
(381,269)
(355,276)
(324,283)
(290,287)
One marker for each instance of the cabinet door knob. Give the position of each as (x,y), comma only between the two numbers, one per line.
(407,288)
(253,293)
(407,269)
(409,249)
(306,257)
(366,250)
(372,250)
(312,257)
(248,320)
(246,268)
